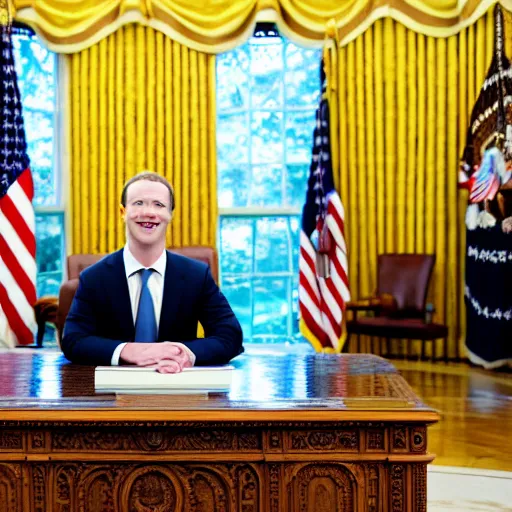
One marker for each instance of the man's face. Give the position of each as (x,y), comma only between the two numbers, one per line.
(147,212)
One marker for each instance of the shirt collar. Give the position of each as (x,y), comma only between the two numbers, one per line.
(131,265)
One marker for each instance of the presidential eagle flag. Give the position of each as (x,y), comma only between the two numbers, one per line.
(17,239)
(323,266)
(487,157)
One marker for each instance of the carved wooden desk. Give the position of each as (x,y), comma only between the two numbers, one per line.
(296,433)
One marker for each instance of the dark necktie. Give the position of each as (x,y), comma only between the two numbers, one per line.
(145,325)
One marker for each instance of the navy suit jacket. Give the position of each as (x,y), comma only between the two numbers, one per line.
(101,317)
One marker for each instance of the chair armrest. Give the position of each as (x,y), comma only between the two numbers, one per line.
(66,295)
(364,304)
(384,302)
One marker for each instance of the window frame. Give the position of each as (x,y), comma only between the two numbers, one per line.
(259,212)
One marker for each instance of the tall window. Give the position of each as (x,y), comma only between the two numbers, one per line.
(36,68)
(267,93)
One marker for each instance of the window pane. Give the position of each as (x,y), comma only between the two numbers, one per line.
(233,79)
(49,253)
(266,73)
(296,184)
(232,138)
(266,137)
(302,77)
(272,245)
(299,136)
(236,245)
(36,70)
(271,307)
(234,185)
(238,292)
(266,302)
(266,185)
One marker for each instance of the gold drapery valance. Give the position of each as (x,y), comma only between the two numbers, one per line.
(214,26)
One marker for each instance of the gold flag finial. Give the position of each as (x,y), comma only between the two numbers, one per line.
(331,30)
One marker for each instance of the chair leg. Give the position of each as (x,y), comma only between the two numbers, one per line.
(423,351)
(40,333)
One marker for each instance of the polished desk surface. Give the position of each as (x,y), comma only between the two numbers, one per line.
(348,387)
(294,433)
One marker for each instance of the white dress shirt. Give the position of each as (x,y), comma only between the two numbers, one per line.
(156,290)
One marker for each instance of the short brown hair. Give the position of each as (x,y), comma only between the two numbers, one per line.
(149,176)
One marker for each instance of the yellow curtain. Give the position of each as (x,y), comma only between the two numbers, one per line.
(401,102)
(214,26)
(141,101)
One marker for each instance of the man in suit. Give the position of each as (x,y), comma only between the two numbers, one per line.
(142,294)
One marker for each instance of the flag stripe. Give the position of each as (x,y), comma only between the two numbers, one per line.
(338,272)
(327,310)
(26,283)
(17,246)
(308,305)
(331,334)
(336,228)
(314,323)
(18,327)
(310,289)
(329,301)
(13,215)
(307,278)
(17,297)
(21,193)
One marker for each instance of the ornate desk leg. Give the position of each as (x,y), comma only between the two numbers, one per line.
(11,488)
(274,478)
(408,488)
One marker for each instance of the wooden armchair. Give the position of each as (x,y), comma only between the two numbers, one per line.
(399,304)
(55,311)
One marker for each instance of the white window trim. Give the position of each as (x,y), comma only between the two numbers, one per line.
(250,211)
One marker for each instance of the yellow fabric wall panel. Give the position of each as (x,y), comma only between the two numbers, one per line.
(141,101)
(403,101)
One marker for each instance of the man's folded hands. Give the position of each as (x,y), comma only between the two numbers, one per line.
(166,357)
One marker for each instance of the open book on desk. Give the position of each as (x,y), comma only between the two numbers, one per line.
(135,379)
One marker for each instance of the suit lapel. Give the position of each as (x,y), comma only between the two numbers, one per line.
(121,295)
(171,299)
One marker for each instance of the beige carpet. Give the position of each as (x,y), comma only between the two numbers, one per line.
(452,489)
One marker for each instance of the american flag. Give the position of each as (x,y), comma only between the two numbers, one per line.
(17,239)
(323,266)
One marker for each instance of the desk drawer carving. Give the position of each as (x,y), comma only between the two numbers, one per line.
(145,484)
(91,487)
(377,440)
(322,487)
(161,440)
(341,440)
(10,440)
